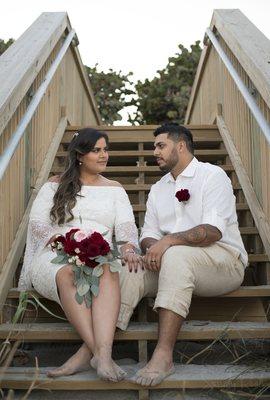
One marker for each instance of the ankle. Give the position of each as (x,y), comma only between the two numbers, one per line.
(103,351)
(165,352)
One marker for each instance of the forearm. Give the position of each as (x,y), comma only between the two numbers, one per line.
(146,243)
(199,236)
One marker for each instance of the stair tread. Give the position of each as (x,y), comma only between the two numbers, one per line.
(149,153)
(191,330)
(185,376)
(243,291)
(145,168)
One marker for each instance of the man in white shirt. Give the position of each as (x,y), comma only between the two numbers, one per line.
(190,238)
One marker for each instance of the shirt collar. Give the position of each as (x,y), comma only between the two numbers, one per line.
(188,172)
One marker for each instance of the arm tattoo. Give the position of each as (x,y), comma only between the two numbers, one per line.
(146,243)
(200,236)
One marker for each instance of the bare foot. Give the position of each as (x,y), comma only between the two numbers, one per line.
(107,369)
(80,361)
(159,367)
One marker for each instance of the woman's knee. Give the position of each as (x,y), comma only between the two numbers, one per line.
(65,275)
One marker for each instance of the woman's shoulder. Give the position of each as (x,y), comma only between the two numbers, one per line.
(111,183)
(54,178)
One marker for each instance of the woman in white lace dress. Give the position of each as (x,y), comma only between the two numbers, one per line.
(84,199)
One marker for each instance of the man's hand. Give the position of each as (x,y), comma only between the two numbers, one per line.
(153,256)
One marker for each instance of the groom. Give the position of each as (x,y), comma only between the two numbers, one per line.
(190,239)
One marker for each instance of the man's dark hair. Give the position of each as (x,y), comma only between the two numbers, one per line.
(176,133)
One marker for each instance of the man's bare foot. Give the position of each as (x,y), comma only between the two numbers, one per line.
(80,361)
(107,369)
(159,367)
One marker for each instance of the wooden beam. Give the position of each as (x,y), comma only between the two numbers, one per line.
(185,377)
(260,218)
(191,331)
(17,248)
(21,62)
(248,44)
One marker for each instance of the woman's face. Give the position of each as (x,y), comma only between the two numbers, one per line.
(96,160)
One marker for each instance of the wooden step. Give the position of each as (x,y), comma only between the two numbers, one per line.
(243,291)
(131,169)
(185,377)
(142,207)
(211,153)
(191,330)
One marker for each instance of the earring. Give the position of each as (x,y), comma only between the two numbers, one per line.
(80,162)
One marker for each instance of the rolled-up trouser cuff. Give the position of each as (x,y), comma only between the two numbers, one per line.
(124,316)
(179,302)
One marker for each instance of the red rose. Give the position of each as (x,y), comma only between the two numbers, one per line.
(90,263)
(71,233)
(70,246)
(105,248)
(97,238)
(88,248)
(182,195)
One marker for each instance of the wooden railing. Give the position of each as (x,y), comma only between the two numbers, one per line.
(68,99)
(216,98)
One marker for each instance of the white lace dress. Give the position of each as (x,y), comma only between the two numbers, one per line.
(100,208)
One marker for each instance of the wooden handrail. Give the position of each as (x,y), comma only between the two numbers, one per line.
(21,63)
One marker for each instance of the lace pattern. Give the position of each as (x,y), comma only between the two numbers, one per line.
(38,235)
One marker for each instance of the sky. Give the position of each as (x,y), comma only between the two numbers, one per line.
(134,35)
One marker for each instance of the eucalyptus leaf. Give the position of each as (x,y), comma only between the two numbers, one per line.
(83,288)
(87,270)
(98,271)
(95,280)
(120,242)
(101,260)
(88,300)
(60,259)
(78,298)
(104,233)
(115,266)
(95,290)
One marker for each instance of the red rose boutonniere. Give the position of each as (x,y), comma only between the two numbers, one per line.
(182,195)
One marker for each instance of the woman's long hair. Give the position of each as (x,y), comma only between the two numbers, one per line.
(70,185)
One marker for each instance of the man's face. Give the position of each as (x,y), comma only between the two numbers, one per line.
(166,152)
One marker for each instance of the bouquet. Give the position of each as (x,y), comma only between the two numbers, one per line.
(87,253)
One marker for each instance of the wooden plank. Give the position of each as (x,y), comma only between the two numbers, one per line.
(112,128)
(149,153)
(259,216)
(139,207)
(141,331)
(127,169)
(17,248)
(22,61)
(185,377)
(243,291)
(249,45)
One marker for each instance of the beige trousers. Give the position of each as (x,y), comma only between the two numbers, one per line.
(203,271)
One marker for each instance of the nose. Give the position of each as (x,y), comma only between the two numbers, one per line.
(156,152)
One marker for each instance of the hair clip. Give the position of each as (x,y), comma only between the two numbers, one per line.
(75,135)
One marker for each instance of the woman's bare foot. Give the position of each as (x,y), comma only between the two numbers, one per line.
(107,369)
(80,361)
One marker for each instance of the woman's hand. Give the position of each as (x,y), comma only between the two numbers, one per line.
(51,240)
(133,260)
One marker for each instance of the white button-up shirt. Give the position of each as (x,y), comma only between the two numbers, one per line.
(211,202)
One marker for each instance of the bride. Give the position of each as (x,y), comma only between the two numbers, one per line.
(84,199)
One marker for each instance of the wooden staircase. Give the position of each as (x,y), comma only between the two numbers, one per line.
(237,315)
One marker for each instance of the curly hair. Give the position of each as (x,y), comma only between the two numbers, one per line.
(70,185)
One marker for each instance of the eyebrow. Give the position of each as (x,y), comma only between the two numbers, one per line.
(99,148)
(158,144)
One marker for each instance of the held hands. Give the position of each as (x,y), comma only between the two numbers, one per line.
(153,256)
(132,259)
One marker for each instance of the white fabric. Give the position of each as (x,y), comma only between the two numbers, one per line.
(99,208)
(211,202)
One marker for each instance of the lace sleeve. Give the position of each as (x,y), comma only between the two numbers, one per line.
(40,230)
(38,235)
(125,227)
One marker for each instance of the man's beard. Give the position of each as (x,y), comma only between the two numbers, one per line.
(171,162)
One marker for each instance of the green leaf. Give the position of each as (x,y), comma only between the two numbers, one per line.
(60,259)
(78,298)
(87,270)
(115,266)
(83,288)
(105,233)
(88,300)
(120,242)
(98,270)
(101,260)
(95,290)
